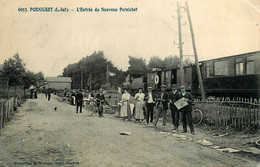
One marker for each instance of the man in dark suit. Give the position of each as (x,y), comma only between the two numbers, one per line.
(79,101)
(45,92)
(150,100)
(100,98)
(173,97)
(186,111)
(162,105)
(49,94)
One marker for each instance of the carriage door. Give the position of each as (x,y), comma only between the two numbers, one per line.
(174,76)
(159,73)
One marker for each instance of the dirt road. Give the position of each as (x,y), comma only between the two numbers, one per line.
(39,136)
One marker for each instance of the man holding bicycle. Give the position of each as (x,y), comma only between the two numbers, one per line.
(100,99)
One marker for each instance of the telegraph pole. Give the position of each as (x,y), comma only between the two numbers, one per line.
(195,55)
(90,80)
(107,76)
(180,44)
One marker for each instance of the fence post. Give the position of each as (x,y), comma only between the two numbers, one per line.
(4,113)
(242,112)
(256,109)
(7,110)
(235,113)
(1,115)
(246,111)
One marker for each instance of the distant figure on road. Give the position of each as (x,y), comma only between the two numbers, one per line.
(49,94)
(139,112)
(31,93)
(100,98)
(150,100)
(186,111)
(45,92)
(79,101)
(162,105)
(35,94)
(73,98)
(173,97)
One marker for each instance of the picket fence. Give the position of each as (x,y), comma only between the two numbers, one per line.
(226,112)
(13,99)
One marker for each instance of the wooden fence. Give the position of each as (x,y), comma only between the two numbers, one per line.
(6,111)
(16,95)
(237,112)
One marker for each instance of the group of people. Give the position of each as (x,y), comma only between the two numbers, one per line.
(99,99)
(33,94)
(145,104)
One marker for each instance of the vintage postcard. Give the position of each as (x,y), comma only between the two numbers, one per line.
(80,81)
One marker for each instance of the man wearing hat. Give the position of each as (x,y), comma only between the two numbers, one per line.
(150,100)
(79,101)
(100,98)
(173,97)
(186,111)
(162,105)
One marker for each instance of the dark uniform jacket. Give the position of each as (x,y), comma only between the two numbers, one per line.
(189,97)
(79,98)
(100,99)
(174,97)
(163,100)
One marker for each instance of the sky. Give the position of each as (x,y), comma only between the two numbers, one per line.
(48,42)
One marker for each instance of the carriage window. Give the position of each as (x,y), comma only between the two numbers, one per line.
(239,66)
(250,65)
(221,68)
(208,70)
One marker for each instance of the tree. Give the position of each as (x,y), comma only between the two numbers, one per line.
(137,66)
(39,78)
(14,69)
(29,79)
(94,69)
(171,62)
(187,62)
(155,61)
(72,71)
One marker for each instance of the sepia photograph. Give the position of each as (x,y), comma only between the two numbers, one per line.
(130,83)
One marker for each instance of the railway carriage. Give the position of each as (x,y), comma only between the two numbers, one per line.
(233,76)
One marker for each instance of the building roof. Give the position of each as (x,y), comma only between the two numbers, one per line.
(243,54)
(58,79)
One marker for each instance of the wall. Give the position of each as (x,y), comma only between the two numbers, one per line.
(59,85)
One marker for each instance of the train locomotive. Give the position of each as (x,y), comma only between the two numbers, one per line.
(232,76)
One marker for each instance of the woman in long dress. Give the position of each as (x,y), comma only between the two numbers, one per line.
(125,104)
(139,97)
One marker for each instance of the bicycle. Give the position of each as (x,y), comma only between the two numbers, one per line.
(93,107)
(197,117)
